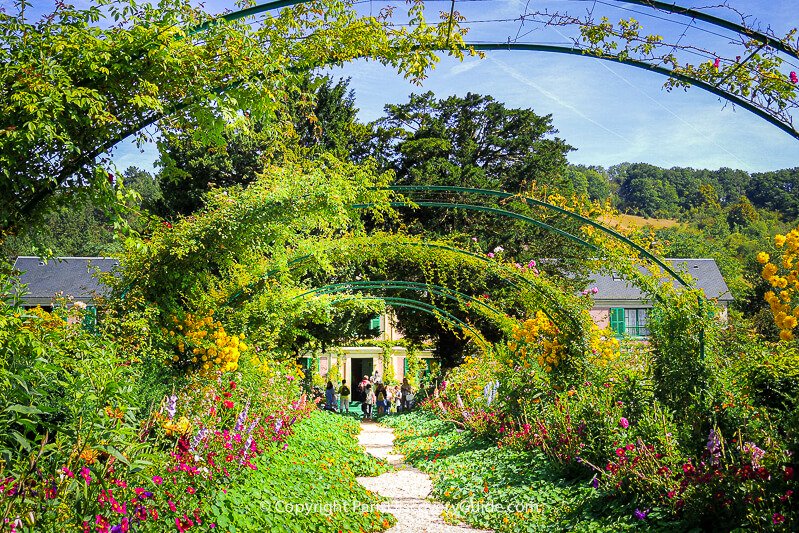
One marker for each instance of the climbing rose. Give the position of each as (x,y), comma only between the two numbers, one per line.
(624,423)
(794,77)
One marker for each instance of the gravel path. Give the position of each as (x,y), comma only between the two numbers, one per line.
(407,487)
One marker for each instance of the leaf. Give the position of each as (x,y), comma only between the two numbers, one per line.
(25,409)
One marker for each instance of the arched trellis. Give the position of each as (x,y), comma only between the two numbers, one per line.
(521,282)
(532,202)
(440,314)
(445,292)
(730,96)
(502,212)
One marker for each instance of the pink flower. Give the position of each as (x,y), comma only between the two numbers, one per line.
(86,473)
(191,490)
(777,518)
(172,506)
(794,77)
(158,480)
(594,290)
(716,63)
(491,255)
(67,472)
(624,423)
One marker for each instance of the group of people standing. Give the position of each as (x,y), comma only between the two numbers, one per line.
(373,395)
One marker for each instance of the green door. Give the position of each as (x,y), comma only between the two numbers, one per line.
(617,323)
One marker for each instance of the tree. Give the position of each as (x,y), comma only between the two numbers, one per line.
(471,140)
(78,81)
(319,119)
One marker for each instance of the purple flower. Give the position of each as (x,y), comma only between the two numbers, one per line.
(242,417)
(278,425)
(595,482)
(641,515)
(198,438)
(714,447)
(171,406)
(623,422)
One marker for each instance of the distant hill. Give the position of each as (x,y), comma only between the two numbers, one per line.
(635,222)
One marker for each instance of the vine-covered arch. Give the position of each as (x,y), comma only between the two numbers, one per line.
(774,116)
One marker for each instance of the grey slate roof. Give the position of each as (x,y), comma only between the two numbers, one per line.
(704,271)
(72,276)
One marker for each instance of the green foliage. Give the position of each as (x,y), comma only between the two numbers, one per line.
(308,486)
(81,80)
(500,488)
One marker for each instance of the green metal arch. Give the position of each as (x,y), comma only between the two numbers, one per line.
(673,8)
(447,293)
(485,209)
(527,282)
(425,307)
(643,252)
(716,21)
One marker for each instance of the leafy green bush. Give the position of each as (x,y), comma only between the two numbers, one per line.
(308,485)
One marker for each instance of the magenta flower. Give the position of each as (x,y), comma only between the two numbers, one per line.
(716,63)
(594,290)
(624,423)
(491,255)
(794,77)
(158,480)
(86,473)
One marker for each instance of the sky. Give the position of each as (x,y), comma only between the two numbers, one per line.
(609,113)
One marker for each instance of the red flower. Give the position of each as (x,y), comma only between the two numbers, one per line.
(620,452)
(777,518)
(168,224)
(191,490)
(688,468)
(228,404)
(788,474)
(232,385)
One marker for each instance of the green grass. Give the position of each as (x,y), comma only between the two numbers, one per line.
(502,489)
(308,487)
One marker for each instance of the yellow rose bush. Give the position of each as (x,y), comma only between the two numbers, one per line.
(782,274)
(203,343)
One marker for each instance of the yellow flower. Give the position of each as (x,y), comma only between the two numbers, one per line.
(779,240)
(762,258)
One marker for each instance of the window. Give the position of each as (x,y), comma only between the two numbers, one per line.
(632,322)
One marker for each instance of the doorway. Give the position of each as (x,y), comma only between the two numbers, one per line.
(360,367)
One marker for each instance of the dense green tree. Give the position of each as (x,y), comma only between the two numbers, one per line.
(472,140)
(319,118)
(777,191)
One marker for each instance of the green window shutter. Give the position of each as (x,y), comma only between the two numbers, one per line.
(405,366)
(617,323)
(89,321)
(374,323)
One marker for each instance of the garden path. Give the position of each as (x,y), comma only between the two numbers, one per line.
(407,487)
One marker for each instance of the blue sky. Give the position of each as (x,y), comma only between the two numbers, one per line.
(610,113)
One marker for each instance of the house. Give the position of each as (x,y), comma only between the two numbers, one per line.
(354,362)
(624,308)
(75,278)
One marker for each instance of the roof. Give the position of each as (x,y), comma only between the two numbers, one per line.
(73,276)
(704,271)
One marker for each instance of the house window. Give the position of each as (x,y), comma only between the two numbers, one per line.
(374,325)
(632,322)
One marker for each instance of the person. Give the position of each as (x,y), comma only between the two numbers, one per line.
(381,399)
(369,401)
(389,400)
(330,397)
(405,390)
(397,399)
(362,388)
(344,392)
